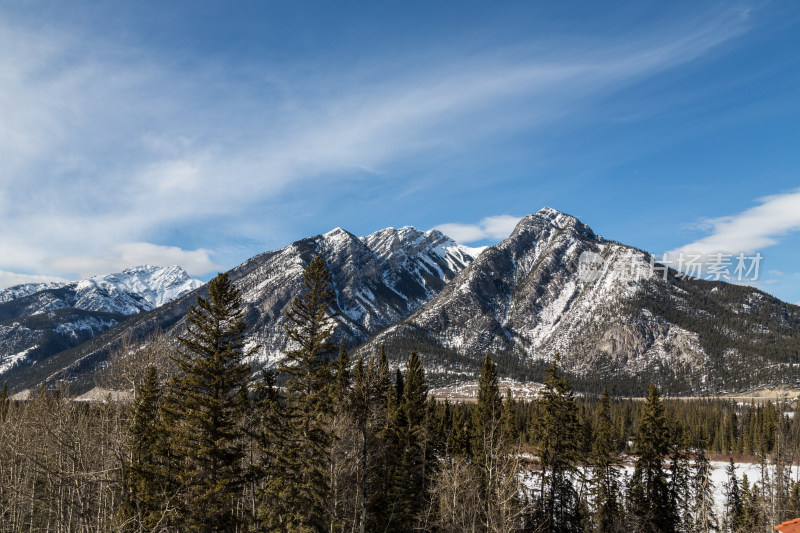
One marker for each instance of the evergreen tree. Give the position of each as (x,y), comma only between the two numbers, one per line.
(341,453)
(704,519)
(487,413)
(146,482)
(408,475)
(509,432)
(487,448)
(4,402)
(277,470)
(341,378)
(680,489)
(308,383)
(733,500)
(607,514)
(649,494)
(458,433)
(360,403)
(387,448)
(558,440)
(203,410)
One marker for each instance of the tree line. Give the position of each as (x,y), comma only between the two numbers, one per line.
(326,443)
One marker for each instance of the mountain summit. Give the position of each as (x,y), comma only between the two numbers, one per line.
(612,314)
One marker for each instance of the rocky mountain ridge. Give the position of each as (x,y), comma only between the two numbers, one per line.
(39,320)
(379,279)
(609,310)
(618,319)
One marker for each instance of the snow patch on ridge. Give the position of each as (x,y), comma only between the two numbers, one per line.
(10,361)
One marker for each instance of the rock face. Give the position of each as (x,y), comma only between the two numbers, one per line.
(40,320)
(379,280)
(555,287)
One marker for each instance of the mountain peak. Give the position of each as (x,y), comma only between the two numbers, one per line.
(547,218)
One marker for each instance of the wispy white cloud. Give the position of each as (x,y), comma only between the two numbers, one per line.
(104,145)
(9,279)
(121,256)
(494,228)
(751,230)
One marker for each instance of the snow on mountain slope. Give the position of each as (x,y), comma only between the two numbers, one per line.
(379,279)
(39,320)
(20,291)
(555,287)
(552,287)
(135,289)
(128,292)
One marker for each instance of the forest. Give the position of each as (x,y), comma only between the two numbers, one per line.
(326,443)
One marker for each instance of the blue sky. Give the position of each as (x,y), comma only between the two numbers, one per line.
(203,133)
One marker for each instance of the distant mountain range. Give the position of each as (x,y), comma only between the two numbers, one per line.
(552,287)
(38,320)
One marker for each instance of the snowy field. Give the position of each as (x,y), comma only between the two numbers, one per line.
(718,478)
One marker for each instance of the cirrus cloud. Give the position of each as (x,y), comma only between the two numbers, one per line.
(751,230)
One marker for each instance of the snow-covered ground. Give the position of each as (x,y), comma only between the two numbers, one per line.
(468,390)
(719,477)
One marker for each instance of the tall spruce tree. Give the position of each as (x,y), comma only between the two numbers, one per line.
(650,503)
(732,516)
(486,436)
(146,483)
(4,402)
(487,412)
(203,410)
(558,440)
(605,479)
(276,471)
(704,517)
(309,381)
(408,474)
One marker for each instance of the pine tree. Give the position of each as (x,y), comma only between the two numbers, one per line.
(360,403)
(308,383)
(408,475)
(558,449)
(146,483)
(487,413)
(341,378)
(341,462)
(203,410)
(680,489)
(607,513)
(278,466)
(649,493)
(4,402)
(509,432)
(733,500)
(704,519)
(486,441)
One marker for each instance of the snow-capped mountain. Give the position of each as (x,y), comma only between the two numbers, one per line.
(617,319)
(379,280)
(128,292)
(20,291)
(39,320)
(555,287)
